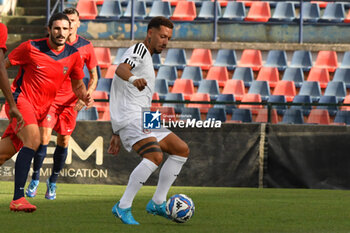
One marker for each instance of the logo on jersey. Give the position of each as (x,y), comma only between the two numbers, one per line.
(65,70)
(151,120)
(48,117)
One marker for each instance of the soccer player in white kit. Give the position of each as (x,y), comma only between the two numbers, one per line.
(131,91)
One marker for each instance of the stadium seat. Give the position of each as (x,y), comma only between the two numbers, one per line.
(207,10)
(311,12)
(235,11)
(104,116)
(157,62)
(284,12)
(222,2)
(218,73)
(245,74)
(251,58)
(99,2)
(218,114)
(227,58)
(347,18)
(327,59)
(337,89)
(320,75)
(184,11)
(241,115)
(286,88)
(269,74)
(281,108)
(87,9)
(346,60)
(302,99)
(111,9)
(346,101)
(3,112)
(104,84)
(251,98)
(321,4)
(168,113)
(259,12)
(200,97)
(90,114)
(235,87)
(176,57)
(202,58)
(260,87)
(190,113)
(319,116)
(248,3)
(155,96)
(334,12)
(160,8)
(173,2)
(301,59)
(294,74)
(276,58)
(110,71)
(161,87)
(184,86)
(86,81)
(262,116)
(342,118)
(209,86)
(342,75)
(194,73)
(293,116)
(332,109)
(103,56)
(226,98)
(175,96)
(102,105)
(311,89)
(118,56)
(139,10)
(168,73)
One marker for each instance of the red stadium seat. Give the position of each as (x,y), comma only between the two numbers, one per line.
(347,18)
(103,56)
(101,107)
(259,12)
(218,73)
(99,2)
(248,3)
(168,113)
(173,2)
(320,75)
(235,87)
(110,71)
(251,58)
(184,86)
(251,98)
(202,58)
(222,2)
(3,113)
(327,59)
(262,116)
(269,74)
(321,4)
(346,101)
(286,88)
(156,97)
(185,11)
(319,116)
(200,97)
(87,9)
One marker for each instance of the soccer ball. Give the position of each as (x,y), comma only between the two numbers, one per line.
(180,208)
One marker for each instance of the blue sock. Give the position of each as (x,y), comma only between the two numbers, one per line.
(38,161)
(59,159)
(22,165)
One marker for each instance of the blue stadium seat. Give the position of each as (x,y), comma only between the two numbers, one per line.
(190,113)
(226,98)
(104,84)
(218,114)
(161,87)
(276,58)
(175,96)
(111,9)
(139,10)
(332,110)
(311,12)
(284,12)
(226,57)
(342,117)
(176,57)
(337,89)
(311,88)
(334,12)
(294,74)
(293,116)
(343,75)
(278,99)
(302,59)
(157,62)
(119,55)
(305,109)
(210,87)
(346,60)
(242,115)
(194,73)
(207,10)
(168,73)
(260,87)
(160,8)
(245,74)
(235,11)
(86,81)
(90,114)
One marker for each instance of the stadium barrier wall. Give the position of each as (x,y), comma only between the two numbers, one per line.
(235,155)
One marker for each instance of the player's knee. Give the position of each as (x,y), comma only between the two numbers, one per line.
(33,143)
(63,141)
(4,158)
(181,149)
(157,158)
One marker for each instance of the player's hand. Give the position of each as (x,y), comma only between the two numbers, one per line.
(114,145)
(88,101)
(140,83)
(79,105)
(15,113)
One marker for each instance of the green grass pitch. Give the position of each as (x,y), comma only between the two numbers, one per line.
(87,208)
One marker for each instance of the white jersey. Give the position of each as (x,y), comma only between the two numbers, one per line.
(126,101)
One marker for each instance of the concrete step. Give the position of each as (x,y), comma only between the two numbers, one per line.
(26,29)
(21,20)
(13,40)
(30,3)
(31,11)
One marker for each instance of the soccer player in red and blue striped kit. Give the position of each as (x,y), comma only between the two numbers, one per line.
(44,66)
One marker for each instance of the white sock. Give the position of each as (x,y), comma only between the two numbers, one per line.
(136,180)
(168,174)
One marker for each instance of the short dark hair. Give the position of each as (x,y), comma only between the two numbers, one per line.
(57,16)
(71,11)
(158,21)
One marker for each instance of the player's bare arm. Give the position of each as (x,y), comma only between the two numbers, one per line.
(79,90)
(114,145)
(124,71)
(91,88)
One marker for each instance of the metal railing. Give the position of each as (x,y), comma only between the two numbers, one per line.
(57,6)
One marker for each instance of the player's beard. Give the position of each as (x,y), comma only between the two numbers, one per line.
(56,42)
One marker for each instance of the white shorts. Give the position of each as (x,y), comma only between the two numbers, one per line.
(134,132)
